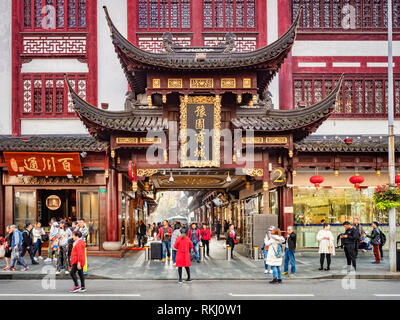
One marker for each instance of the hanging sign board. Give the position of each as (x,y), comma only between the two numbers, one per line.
(278,176)
(43,164)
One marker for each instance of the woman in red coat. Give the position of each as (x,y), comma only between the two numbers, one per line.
(183,246)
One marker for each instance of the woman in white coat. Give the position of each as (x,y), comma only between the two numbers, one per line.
(326,246)
(275,255)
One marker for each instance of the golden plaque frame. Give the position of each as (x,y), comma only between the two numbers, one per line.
(215,162)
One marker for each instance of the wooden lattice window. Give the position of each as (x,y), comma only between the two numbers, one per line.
(229,14)
(346,15)
(164,14)
(46,95)
(360,95)
(59,15)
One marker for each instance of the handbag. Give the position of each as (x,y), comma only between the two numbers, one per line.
(235,241)
(14,254)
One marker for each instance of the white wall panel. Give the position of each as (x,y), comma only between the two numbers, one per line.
(52,126)
(355,127)
(54,66)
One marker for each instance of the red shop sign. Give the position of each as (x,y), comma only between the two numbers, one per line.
(43,164)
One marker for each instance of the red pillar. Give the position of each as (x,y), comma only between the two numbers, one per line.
(287,214)
(112,203)
(261,23)
(285,72)
(197,23)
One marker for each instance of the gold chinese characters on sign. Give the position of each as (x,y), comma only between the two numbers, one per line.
(204,83)
(126,140)
(246,82)
(266,140)
(200,131)
(146,172)
(228,83)
(53,202)
(255,172)
(175,83)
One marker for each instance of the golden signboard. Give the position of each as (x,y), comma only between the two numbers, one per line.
(228,83)
(175,83)
(276,140)
(201,114)
(246,82)
(150,140)
(256,172)
(156,83)
(146,172)
(203,83)
(252,140)
(127,140)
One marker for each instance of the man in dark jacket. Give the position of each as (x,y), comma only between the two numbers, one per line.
(142,234)
(218,229)
(290,250)
(357,225)
(376,241)
(27,242)
(350,239)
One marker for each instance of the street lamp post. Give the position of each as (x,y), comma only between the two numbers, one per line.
(392,211)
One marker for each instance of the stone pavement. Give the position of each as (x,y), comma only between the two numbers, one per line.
(133,266)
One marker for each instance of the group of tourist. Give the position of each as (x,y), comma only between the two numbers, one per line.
(66,247)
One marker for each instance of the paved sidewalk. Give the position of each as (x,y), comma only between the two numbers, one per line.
(133,266)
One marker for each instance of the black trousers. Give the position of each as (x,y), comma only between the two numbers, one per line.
(381,250)
(30,251)
(141,240)
(180,273)
(349,250)
(206,244)
(73,272)
(218,232)
(322,259)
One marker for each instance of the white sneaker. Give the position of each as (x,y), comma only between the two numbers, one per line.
(36,259)
(40,258)
(270,271)
(54,259)
(48,260)
(266,271)
(66,272)
(57,272)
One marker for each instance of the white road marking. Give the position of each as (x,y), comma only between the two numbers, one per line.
(67,295)
(387,294)
(272,295)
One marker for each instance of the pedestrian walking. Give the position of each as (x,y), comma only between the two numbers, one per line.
(226,226)
(326,246)
(142,234)
(85,232)
(266,248)
(195,236)
(51,252)
(27,242)
(350,239)
(206,238)
(175,235)
(37,233)
(16,244)
(290,250)
(183,246)
(383,242)
(218,229)
(358,226)
(62,261)
(230,237)
(275,254)
(74,227)
(7,247)
(78,260)
(165,234)
(376,241)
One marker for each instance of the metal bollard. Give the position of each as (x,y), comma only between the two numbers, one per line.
(146,253)
(228,253)
(201,253)
(255,252)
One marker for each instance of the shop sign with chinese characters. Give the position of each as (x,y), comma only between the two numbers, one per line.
(43,164)
(200,131)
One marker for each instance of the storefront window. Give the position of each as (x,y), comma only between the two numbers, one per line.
(274,202)
(89,205)
(25,208)
(335,206)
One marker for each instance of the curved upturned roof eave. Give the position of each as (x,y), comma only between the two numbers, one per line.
(183,61)
(300,122)
(90,116)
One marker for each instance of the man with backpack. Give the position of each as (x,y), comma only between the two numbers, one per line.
(290,250)
(383,242)
(165,235)
(350,239)
(27,242)
(195,236)
(376,241)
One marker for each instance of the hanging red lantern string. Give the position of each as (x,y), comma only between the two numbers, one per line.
(397,180)
(316,180)
(356,180)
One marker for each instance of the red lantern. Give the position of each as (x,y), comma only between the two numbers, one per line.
(132,171)
(397,180)
(316,180)
(356,180)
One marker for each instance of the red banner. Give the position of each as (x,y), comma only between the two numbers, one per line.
(43,164)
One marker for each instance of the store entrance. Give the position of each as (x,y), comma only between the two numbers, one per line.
(59,204)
